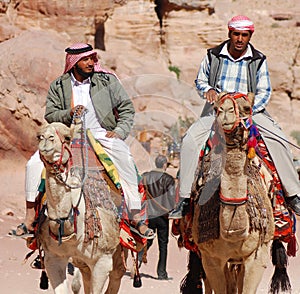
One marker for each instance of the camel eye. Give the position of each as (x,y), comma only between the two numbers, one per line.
(68,139)
(40,137)
(247,109)
(231,110)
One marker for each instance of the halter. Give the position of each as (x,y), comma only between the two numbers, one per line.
(239,120)
(232,201)
(58,166)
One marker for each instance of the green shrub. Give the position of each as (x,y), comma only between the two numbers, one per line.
(175,69)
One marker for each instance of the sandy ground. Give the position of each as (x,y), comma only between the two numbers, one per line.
(18,278)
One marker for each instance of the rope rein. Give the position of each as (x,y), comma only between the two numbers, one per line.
(58,175)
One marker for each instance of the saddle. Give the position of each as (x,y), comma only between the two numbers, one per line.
(285,221)
(98,162)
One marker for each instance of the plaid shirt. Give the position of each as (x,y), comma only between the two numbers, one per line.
(233,78)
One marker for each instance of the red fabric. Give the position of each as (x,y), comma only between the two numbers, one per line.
(72,59)
(285,222)
(128,238)
(241,23)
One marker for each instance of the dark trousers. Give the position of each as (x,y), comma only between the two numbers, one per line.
(161,226)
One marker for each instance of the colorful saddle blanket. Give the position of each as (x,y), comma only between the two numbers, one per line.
(96,162)
(285,221)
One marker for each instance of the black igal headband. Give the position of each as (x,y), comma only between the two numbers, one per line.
(79,50)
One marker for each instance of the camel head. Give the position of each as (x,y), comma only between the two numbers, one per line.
(232,109)
(54,144)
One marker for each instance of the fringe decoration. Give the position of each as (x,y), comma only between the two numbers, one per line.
(192,282)
(280,280)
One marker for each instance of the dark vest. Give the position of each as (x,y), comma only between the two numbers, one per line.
(216,61)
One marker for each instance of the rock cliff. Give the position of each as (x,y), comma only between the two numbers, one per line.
(155,47)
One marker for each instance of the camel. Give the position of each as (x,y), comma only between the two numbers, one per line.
(232,224)
(63,234)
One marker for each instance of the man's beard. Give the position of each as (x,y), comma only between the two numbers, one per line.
(82,73)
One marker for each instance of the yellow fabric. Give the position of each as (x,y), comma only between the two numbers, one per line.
(104,159)
(44,173)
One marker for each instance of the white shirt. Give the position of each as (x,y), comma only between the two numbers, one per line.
(81,96)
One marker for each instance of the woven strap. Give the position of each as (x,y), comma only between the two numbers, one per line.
(152,198)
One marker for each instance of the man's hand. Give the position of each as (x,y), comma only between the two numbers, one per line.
(211,96)
(78,110)
(110,134)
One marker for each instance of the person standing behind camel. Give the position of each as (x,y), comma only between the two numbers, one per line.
(160,188)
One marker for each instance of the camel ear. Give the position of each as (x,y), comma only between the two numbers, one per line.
(221,95)
(42,129)
(217,102)
(251,98)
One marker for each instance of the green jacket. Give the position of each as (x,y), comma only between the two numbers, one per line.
(113,107)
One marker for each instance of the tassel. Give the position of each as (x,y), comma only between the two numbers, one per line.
(292,246)
(137,282)
(44,281)
(192,282)
(280,280)
(251,153)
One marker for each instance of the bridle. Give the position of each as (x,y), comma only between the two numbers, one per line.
(58,166)
(244,122)
(239,120)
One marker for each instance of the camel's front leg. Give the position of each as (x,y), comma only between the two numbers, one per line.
(56,271)
(214,270)
(254,267)
(100,272)
(118,271)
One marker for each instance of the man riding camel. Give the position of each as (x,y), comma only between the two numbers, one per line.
(86,87)
(236,66)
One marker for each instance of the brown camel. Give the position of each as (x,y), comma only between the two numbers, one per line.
(65,233)
(233,221)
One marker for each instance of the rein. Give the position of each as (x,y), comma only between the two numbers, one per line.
(57,166)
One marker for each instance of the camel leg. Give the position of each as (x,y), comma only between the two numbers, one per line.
(118,271)
(255,266)
(214,269)
(56,271)
(76,282)
(100,272)
(86,278)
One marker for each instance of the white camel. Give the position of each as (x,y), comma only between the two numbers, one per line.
(63,234)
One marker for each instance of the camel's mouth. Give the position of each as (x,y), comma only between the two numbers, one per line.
(46,151)
(233,235)
(50,156)
(227,126)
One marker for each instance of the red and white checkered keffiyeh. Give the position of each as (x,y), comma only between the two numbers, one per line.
(73,58)
(241,23)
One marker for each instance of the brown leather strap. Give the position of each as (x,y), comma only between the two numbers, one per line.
(152,198)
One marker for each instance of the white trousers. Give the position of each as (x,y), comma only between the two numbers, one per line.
(120,155)
(271,133)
